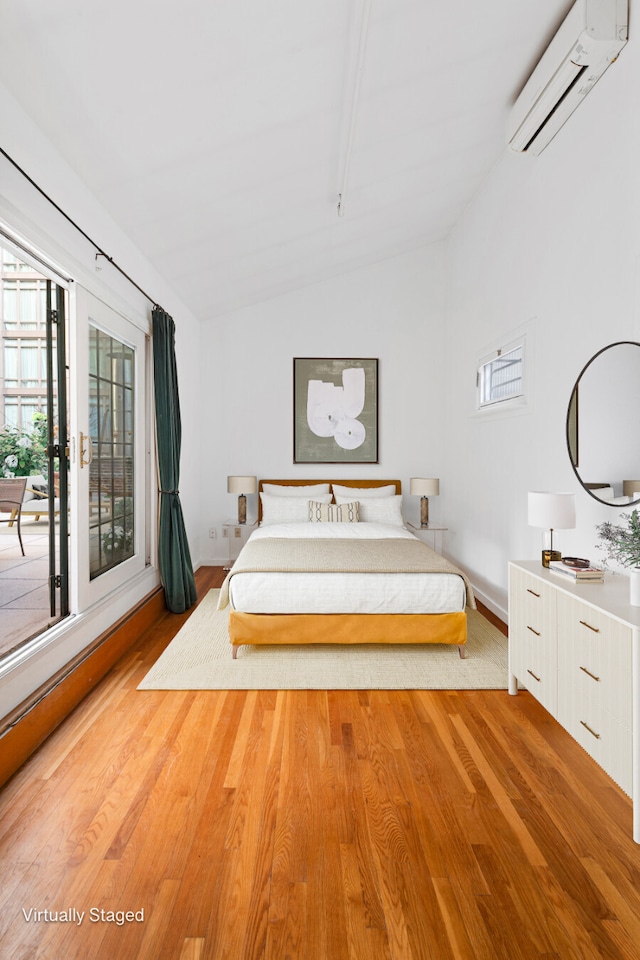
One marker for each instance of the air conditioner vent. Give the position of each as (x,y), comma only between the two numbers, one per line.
(589,40)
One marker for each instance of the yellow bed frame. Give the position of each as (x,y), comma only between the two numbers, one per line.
(346,628)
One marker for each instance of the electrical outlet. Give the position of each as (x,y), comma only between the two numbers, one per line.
(213,533)
(237,532)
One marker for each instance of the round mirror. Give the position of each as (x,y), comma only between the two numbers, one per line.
(602,439)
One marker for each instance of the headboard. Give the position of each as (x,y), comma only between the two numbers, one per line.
(343,483)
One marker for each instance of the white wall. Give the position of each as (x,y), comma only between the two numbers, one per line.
(552,241)
(393,311)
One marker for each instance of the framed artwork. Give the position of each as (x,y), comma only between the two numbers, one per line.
(335,410)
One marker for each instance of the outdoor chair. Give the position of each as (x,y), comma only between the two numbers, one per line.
(36,499)
(11,497)
(35,502)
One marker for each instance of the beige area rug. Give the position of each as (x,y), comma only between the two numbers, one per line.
(199,658)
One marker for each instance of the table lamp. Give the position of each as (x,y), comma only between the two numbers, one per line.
(242,486)
(552,511)
(424,487)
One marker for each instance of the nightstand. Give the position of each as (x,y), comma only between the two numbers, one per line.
(237,535)
(432,534)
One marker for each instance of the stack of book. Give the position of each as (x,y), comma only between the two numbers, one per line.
(577,574)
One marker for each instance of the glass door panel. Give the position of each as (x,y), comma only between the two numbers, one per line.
(33,444)
(110,458)
(112,435)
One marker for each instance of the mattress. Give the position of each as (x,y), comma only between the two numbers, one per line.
(329,592)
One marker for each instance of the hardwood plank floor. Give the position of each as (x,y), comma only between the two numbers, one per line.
(346,825)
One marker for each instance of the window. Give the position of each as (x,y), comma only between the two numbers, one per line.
(10,263)
(500,377)
(23,331)
(24,304)
(111,430)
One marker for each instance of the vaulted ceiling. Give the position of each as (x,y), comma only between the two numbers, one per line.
(218,135)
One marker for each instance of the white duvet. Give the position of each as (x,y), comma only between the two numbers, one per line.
(344,592)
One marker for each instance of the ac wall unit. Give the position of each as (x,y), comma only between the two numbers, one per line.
(589,40)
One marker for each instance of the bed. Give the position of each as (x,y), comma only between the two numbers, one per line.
(332,562)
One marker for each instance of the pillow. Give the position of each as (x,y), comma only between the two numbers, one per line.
(360,492)
(282,490)
(334,512)
(287,509)
(380,509)
(36,488)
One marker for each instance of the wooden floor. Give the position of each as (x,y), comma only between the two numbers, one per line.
(341,825)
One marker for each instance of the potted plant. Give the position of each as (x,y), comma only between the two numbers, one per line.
(621,542)
(23,452)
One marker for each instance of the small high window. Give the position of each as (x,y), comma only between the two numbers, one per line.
(501,376)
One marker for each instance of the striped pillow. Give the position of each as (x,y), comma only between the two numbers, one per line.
(380,510)
(334,512)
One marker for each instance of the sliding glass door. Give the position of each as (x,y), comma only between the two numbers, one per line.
(75,422)
(110,438)
(34,582)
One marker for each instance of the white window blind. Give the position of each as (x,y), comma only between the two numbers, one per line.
(501,377)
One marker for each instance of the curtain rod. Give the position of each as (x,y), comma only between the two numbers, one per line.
(100,252)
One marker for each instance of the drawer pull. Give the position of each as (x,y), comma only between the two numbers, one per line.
(592,732)
(588,625)
(533,675)
(589,674)
(537,632)
(532,592)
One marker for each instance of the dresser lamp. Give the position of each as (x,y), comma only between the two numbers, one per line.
(551,511)
(424,487)
(242,486)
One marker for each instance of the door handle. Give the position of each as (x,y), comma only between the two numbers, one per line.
(85,463)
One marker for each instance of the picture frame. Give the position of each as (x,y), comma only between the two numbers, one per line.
(335,410)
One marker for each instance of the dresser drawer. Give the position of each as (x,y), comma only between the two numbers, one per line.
(604,738)
(532,636)
(594,658)
(538,677)
(538,601)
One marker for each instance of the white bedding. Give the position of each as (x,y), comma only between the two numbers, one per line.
(344,592)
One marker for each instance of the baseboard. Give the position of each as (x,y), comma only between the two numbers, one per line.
(492,617)
(500,612)
(30,723)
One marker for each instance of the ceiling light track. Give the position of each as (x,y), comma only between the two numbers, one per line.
(364,30)
(100,252)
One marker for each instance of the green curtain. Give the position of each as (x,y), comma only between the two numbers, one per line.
(176,570)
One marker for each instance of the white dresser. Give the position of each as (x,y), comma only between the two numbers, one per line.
(576,648)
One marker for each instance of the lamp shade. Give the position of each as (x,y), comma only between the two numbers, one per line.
(242,485)
(553,511)
(424,486)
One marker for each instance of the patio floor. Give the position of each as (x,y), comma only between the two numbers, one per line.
(24,589)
